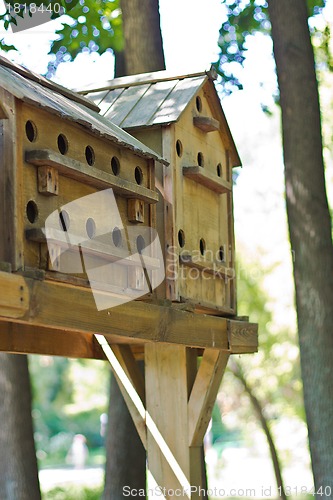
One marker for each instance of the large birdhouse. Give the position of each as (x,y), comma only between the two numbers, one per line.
(181,118)
(79,192)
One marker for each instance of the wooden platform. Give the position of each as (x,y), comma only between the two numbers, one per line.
(35,317)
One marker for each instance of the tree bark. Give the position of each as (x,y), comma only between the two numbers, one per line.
(142,36)
(18,464)
(125,454)
(309,225)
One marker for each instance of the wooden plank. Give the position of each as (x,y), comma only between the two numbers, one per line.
(206,123)
(14,301)
(33,93)
(125,103)
(127,360)
(206,178)
(204,393)
(150,103)
(243,337)
(166,405)
(178,100)
(74,169)
(28,339)
(64,306)
(11,247)
(47,83)
(132,398)
(215,268)
(109,99)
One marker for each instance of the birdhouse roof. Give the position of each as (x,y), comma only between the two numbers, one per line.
(157,99)
(38,91)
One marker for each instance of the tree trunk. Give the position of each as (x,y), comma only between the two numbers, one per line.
(309,225)
(125,455)
(18,464)
(142,36)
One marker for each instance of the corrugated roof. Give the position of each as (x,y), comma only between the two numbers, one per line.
(38,91)
(132,102)
(151,99)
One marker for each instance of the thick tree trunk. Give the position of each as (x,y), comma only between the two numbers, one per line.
(18,464)
(309,225)
(125,455)
(142,35)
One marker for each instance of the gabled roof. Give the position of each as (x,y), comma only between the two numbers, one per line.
(38,91)
(153,99)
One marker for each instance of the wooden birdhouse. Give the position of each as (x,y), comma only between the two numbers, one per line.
(78,193)
(181,118)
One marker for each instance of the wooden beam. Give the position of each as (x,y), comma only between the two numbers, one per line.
(243,337)
(69,308)
(206,178)
(93,176)
(122,367)
(204,393)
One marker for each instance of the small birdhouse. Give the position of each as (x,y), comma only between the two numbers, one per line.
(181,118)
(78,192)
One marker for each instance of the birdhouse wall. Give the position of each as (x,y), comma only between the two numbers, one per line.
(197,219)
(56,167)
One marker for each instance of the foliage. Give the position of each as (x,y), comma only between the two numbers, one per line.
(73,493)
(93,26)
(65,403)
(248,17)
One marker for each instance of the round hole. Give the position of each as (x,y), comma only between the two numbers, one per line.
(140,243)
(62,144)
(219,170)
(200,159)
(179,148)
(90,228)
(115,165)
(32,211)
(181,238)
(31,131)
(202,246)
(117,237)
(64,220)
(90,155)
(221,254)
(198,104)
(138,175)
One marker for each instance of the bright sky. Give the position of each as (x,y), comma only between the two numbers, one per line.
(190,31)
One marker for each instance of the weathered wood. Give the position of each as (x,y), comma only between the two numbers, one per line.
(122,367)
(166,405)
(74,169)
(47,83)
(204,393)
(48,181)
(134,322)
(206,123)
(215,268)
(135,210)
(243,337)
(14,301)
(205,178)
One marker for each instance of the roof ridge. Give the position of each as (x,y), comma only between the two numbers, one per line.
(143,78)
(44,82)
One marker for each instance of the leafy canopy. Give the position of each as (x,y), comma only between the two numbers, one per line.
(249,17)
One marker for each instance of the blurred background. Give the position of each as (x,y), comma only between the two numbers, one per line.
(70,397)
